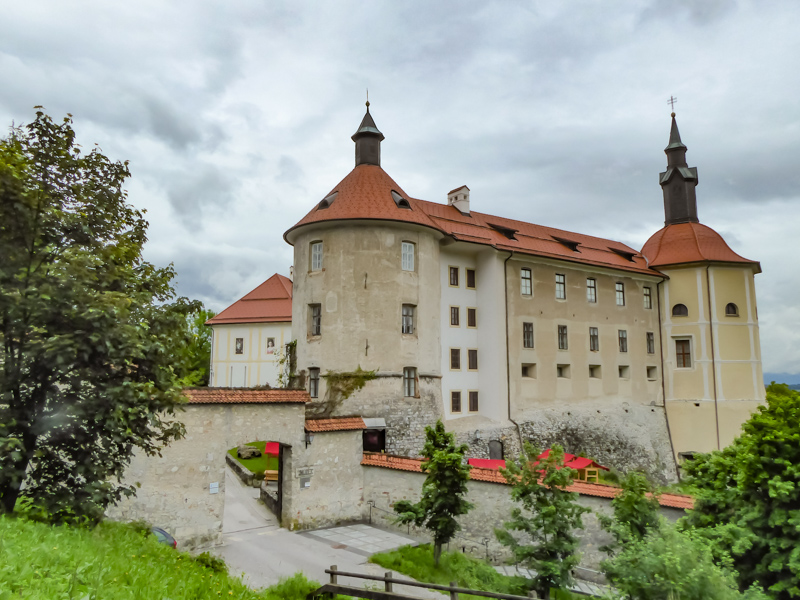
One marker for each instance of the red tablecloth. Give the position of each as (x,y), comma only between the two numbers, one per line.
(272,448)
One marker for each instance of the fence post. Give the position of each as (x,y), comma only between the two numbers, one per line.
(388,579)
(334,576)
(371,503)
(453,592)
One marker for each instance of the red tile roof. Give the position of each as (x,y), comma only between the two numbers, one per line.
(366,194)
(270,302)
(244,396)
(683,243)
(336,424)
(599,490)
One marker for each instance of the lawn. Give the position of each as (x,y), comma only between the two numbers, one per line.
(263,463)
(116,561)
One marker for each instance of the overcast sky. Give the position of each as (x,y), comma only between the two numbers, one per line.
(236,118)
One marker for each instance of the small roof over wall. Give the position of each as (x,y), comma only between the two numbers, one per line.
(211,395)
(335,424)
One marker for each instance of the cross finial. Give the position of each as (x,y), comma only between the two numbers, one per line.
(672,100)
(367,98)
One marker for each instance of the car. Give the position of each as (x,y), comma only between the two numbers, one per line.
(164,537)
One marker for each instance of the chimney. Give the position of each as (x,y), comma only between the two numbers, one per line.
(459,198)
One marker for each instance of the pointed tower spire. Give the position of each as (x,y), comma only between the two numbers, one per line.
(678,182)
(368,141)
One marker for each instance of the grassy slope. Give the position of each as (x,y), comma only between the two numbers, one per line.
(113,562)
(262,463)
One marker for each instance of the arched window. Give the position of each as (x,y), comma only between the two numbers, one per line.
(680,310)
(496,450)
(731,310)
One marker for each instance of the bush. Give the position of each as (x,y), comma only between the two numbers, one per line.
(210,561)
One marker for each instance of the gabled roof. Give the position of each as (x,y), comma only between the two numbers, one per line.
(270,302)
(683,243)
(366,193)
(245,396)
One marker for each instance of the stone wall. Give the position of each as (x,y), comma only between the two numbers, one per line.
(492,506)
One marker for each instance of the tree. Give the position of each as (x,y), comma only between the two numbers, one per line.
(748,496)
(549,516)
(666,564)
(443,491)
(635,511)
(89,331)
(197,352)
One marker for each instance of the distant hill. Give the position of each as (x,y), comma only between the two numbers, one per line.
(790,379)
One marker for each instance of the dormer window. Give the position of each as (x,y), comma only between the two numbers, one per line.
(506,231)
(623,253)
(571,244)
(327,201)
(400,201)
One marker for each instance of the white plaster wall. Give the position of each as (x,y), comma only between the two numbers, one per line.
(257,365)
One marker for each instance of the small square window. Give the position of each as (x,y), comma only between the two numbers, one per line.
(620,287)
(239,346)
(594,372)
(648,298)
(652,373)
(410,382)
(473,401)
(455,359)
(525,282)
(562,337)
(562,371)
(591,290)
(454,276)
(527,335)
(624,372)
(529,370)
(471,279)
(454,316)
(316,256)
(472,317)
(623,340)
(472,359)
(561,286)
(407,256)
(455,402)
(315,319)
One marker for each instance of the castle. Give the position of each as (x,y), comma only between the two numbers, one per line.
(508,331)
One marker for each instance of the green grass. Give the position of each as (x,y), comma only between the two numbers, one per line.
(469,572)
(260,464)
(114,562)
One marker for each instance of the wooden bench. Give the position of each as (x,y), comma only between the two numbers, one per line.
(271,475)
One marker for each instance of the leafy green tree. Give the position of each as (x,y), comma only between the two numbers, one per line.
(443,491)
(547,519)
(89,331)
(196,367)
(748,496)
(665,564)
(635,511)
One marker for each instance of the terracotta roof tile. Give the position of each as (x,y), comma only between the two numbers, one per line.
(599,490)
(366,194)
(683,243)
(270,302)
(244,396)
(337,424)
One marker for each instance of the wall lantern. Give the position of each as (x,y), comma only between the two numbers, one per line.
(309,438)
(477,435)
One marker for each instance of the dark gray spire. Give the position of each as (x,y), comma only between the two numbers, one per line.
(368,141)
(678,182)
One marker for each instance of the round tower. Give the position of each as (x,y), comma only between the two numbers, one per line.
(711,351)
(366,296)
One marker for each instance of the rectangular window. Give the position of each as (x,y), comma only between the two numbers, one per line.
(591,289)
(239,346)
(316,256)
(473,401)
(620,294)
(313,382)
(527,335)
(472,317)
(408,256)
(652,373)
(525,284)
(594,372)
(472,359)
(455,402)
(623,340)
(408,318)
(454,316)
(454,276)
(471,279)
(562,371)
(315,319)
(409,382)
(561,286)
(624,372)
(594,339)
(455,359)
(529,370)
(562,337)
(683,354)
(651,343)
(648,298)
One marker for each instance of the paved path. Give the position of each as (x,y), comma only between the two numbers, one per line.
(581,585)
(263,553)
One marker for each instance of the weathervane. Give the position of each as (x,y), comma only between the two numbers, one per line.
(367,98)
(672,100)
